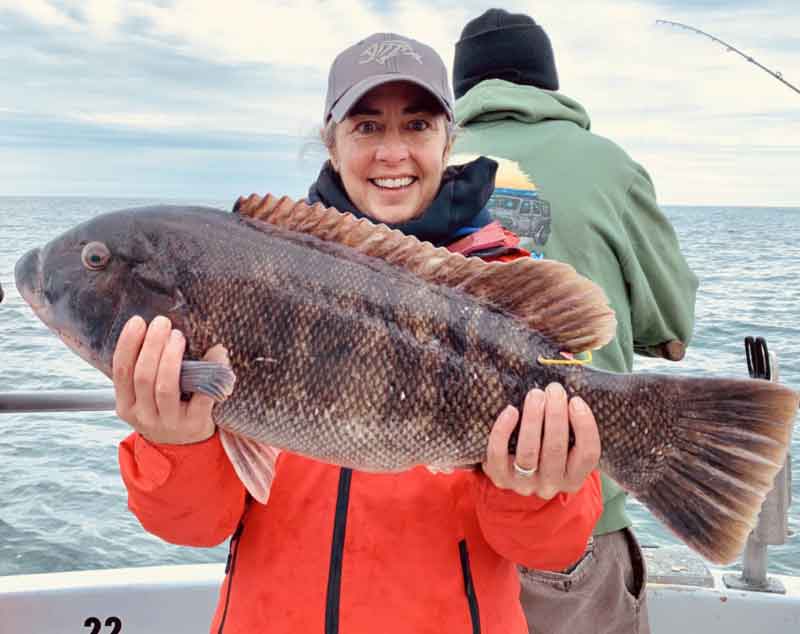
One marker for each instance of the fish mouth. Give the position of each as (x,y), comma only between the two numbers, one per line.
(29,280)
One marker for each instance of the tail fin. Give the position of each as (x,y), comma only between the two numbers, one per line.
(727,442)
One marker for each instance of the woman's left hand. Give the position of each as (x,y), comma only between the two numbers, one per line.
(543,445)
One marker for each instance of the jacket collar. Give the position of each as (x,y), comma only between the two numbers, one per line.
(460,202)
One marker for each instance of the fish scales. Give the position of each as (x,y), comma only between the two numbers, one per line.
(345,344)
(359,346)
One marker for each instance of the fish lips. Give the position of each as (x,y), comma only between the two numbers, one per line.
(29,279)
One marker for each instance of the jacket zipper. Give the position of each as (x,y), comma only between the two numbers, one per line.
(230,566)
(469,588)
(337,553)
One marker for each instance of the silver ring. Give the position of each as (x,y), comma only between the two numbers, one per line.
(523,472)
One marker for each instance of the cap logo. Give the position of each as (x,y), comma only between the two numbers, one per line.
(381,52)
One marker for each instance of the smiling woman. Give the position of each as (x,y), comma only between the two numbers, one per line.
(330,548)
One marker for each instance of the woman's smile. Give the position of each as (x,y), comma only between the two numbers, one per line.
(396,183)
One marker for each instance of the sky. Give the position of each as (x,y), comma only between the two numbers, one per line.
(208,100)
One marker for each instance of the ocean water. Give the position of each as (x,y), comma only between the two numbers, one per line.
(62,503)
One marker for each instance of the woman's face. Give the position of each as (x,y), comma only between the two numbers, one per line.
(391,152)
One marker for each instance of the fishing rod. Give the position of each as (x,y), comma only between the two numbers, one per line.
(730,47)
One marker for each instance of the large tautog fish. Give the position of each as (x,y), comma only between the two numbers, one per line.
(354,344)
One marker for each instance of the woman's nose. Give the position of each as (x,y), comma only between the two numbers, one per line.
(392,149)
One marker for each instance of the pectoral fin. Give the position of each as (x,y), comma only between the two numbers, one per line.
(207,377)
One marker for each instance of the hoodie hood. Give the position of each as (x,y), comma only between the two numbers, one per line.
(496,99)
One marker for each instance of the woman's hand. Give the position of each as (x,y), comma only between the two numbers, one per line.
(146,374)
(542,445)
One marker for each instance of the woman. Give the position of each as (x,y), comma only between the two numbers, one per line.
(336,550)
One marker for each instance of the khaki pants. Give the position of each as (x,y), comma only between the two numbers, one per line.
(603,594)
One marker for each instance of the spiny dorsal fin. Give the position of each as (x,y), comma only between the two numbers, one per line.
(548,296)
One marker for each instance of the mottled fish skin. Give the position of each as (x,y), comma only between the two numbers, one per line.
(352,360)
(337,363)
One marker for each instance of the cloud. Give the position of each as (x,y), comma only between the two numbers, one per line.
(40,11)
(141,71)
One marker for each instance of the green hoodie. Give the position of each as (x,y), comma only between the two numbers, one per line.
(581,199)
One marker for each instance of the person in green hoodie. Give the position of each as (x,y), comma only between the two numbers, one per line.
(579,198)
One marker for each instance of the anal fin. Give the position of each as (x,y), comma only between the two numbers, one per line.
(253,461)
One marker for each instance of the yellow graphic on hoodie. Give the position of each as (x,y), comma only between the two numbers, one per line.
(516,202)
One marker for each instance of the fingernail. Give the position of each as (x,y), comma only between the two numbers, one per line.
(536,396)
(176,335)
(134,323)
(554,389)
(579,405)
(160,322)
(217,352)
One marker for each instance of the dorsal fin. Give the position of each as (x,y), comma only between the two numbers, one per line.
(548,296)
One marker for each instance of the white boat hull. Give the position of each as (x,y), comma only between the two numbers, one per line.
(177,599)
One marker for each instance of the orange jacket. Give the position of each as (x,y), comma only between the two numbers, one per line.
(407,552)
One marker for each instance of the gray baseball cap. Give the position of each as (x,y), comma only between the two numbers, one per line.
(379,59)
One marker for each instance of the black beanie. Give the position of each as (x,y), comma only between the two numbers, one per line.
(503,45)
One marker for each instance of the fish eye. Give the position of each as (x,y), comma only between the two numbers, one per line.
(95,256)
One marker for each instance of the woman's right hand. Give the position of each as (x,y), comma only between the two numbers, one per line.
(146,374)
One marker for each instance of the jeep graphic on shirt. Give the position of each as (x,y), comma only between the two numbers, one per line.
(516,203)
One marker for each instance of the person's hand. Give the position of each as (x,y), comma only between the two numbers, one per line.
(146,373)
(254,206)
(547,466)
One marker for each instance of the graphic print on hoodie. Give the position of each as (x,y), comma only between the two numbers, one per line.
(517,203)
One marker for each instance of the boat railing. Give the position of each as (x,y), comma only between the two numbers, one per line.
(771,529)
(57,401)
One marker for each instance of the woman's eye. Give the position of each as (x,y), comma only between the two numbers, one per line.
(419,125)
(367,127)
(95,256)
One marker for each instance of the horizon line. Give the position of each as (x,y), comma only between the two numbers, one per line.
(221,196)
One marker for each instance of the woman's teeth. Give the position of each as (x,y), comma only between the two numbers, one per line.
(393,183)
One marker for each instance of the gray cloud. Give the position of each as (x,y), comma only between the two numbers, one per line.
(156,171)
(57,71)
(192,99)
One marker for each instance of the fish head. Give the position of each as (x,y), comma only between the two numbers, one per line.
(88,282)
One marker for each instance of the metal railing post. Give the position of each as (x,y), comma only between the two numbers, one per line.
(771,528)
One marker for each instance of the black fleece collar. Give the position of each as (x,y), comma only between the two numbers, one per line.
(460,202)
